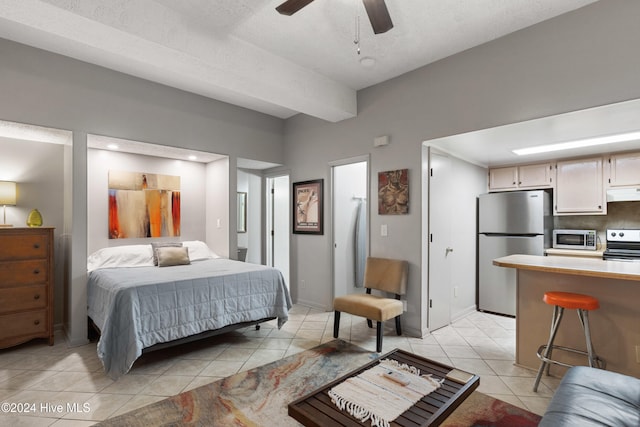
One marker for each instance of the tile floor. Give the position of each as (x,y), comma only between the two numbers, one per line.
(36,378)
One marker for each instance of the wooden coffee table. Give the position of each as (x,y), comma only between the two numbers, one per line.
(316,408)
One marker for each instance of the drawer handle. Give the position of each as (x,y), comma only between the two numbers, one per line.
(36,245)
(36,322)
(36,271)
(36,296)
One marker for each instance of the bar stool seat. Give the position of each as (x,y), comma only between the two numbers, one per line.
(582,304)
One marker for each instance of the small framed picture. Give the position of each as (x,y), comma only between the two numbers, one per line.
(393,192)
(308,207)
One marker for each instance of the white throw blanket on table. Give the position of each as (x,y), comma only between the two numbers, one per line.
(371,395)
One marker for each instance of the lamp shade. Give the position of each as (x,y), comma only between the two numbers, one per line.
(7,193)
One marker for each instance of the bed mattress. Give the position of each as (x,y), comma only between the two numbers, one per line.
(136,308)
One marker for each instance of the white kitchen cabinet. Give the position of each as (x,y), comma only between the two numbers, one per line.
(535,176)
(579,188)
(523,177)
(625,169)
(503,178)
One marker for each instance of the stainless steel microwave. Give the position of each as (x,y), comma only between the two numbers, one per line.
(575,239)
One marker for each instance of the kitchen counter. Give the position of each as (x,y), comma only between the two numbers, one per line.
(575,252)
(624,270)
(615,326)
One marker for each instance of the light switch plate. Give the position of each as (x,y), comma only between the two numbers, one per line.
(383,230)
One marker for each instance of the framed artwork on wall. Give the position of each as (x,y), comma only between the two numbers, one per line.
(393,192)
(143,205)
(308,207)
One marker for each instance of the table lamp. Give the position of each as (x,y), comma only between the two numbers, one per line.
(7,197)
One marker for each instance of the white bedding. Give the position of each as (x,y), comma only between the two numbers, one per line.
(138,307)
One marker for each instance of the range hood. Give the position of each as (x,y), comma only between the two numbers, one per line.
(623,195)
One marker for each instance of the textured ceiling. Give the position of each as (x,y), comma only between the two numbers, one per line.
(245,53)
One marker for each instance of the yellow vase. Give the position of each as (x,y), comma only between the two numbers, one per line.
(34,219)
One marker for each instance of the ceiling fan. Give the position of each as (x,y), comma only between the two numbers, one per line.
(376,9)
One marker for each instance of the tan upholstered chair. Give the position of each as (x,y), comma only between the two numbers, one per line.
(387,275)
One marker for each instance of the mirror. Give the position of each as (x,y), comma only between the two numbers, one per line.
(242,212)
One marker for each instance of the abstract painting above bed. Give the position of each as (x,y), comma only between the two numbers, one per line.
(137,305)
(143,205)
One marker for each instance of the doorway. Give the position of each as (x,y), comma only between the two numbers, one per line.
(439,241)
(277,229)
(350,219)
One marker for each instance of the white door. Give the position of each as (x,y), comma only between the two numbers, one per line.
(440,250)
(350,228)
(278,224)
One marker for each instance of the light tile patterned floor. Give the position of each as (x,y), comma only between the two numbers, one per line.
(37,378)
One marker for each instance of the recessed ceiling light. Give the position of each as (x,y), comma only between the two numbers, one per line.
(192,157)
(580,143)
(368,62)
(112,147)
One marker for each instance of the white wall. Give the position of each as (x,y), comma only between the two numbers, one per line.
(349,181)
(217,201)
(38,170)
(192,194)
(251,183)
(468,181)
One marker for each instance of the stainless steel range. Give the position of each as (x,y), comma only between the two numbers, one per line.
(622,245)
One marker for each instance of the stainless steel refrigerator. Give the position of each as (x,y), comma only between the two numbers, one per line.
(516,222)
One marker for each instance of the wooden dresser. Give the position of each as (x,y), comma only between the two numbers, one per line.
(26,285)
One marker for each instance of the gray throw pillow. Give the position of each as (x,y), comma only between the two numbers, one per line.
(155,246)
(171,255)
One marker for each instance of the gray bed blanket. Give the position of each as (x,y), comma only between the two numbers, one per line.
(138,307)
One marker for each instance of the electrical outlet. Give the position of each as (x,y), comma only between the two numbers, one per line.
(302,283)
(638,353)
(404,305)
(455,291)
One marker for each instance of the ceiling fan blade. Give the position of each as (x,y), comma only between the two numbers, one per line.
(292,6)
(378,15)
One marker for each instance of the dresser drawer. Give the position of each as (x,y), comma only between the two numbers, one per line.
(23,298)
(17,273)
(23,246)
(27,323)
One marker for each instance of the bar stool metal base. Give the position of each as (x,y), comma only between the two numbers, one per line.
(545,351)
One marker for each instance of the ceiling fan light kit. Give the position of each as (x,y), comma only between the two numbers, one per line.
(376,10)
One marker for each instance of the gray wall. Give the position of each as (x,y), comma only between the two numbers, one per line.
(582,59)
(50,90)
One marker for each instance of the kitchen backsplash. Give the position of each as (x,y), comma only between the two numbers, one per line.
(619,215)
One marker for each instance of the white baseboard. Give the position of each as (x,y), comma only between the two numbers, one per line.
(464,313)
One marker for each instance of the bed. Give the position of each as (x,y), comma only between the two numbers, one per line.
(137,304)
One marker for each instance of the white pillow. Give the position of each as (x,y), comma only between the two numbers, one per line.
(199,250)
(121,256)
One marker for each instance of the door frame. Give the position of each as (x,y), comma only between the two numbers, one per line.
(268,221)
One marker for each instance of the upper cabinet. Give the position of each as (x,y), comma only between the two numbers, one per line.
(579,188)
(503,178)
(523,177)
(625,170)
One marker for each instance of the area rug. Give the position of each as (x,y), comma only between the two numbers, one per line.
(259,397)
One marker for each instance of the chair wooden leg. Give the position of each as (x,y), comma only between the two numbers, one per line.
(379,337)
(369,323)
(398,326)
(336,324)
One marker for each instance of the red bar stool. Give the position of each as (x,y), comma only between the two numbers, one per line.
(583,304)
